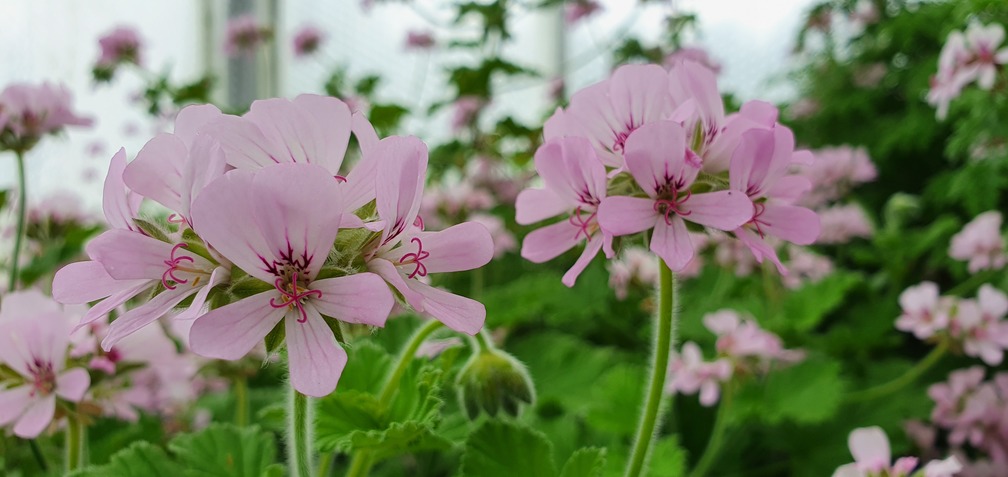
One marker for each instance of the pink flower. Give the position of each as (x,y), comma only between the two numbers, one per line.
(419,40)
(739,338)
(689,373)
(758,169)
(980,242)
(607,112)
(843,223)
(634,265)
(872,456)
(694,54)
(278,224)
(307,40)
(465,111)
(404,254)
(983,43)
(244,35)
(28,112)
(980,324)
(575,183)
(576,10)
(924,314)
(865,13)
(870,75)
(804,266)
(34,336)
(834,171)
(665,169)
(121,45)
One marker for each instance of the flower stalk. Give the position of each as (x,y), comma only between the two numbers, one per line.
(664,337)
(299,445)
(75,443)
(903,380)
(21,218)
(717,436)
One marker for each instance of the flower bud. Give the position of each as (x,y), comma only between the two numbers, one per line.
(492,380)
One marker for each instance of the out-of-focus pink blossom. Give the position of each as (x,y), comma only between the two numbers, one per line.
(419,40)
(803,108)
(577,10)
(869,76)
(872,456)
(974,412)
(307,40)
(834,171)
(121,45)
(60,207)
(748,346)
(865,13)
(689,373)
(503,240)
(465,111)
(980,243)
(244,35)
(805,267)
(695,54)
(924,313)
(634,265)
(984,41)
(981,326)
(28,112)
(843,223)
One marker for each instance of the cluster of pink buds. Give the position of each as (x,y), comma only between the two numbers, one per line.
(119,46)
(268,235)
(973,413)
(873,458)
(652,150)
(244,35)
(977,325)
(28,112)
(743,348)
(965,58)
(980,243)
(833,173)
(307,40)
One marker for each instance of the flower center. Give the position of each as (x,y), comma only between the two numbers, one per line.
(43,377)
(669,202)
(293,296)
(416,258)
(169,278)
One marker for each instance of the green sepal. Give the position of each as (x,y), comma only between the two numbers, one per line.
(275,337)
(152,229)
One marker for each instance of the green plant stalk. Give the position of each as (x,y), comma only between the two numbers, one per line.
(664,337)
(716,438)
(241,401)
(361,462)
(903,380)
(299,435)
(324,463)
(21,217)
(75,442)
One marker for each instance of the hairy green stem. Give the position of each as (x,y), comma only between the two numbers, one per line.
(75,441)
(241,401)
(903,380)
(21,217)
(299,437)
(716,438)
(664,336)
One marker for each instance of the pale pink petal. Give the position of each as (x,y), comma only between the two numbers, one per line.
(145,314)
(692,80)
(390,273)
(72,384)
(591,249)
(848,470)
(725,210)
(191,120)
(795,224)
(465,246)
(36,418)
(751,161)
(656,153)
(548,242)
(84,282)
(759,248)
(119,212)
(789,188)
(244,145)
(14,402)
(672,243)
(312,129)
(218,276)
(402,170)
(359,298)
(456,312)
(103,307)
(231,331)
(316,360)
(533,205)
(620,215)
(870,447)
(131,256)
(206,164)
(570,168)
(710,391)
(359,188)
(156,172)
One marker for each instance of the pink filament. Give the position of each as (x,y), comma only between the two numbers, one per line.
(582,223)
(416,258)
(173,264)
(760,208)
(339,178)
(672,205)
(294,296)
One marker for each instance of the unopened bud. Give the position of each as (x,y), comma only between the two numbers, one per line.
(493,380)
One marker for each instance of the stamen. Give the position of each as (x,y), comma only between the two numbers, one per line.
(760,208)
(582,223)
(173,265)
(418,222)
(293,297)
(669,206)
(416,259)
(339,178)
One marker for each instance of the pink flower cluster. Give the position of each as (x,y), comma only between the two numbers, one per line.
(244,35)
(626,157)
(965,58)
(634,266)
(974,412)
(695,54)
(977,325)
(419,40)
(743,349)
(873,458)
(121,45)
(307,40)
(834,172)
(577,10)
(28,112)
(980,243)
(270,234)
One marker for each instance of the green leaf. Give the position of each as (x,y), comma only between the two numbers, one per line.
(667,459)
(504,449)
(141,459)
(366,368)
(806,307)
(342,413)
(549,356)
(809,392)
(615,400)
(225,450)
(586,462)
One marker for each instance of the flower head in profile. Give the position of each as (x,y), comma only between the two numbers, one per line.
(34,340)
(873,457)
(307,40)
(28,112)
(244,35)
(575,185)
(984,43)
(278,224)
(121,45)
(665,169)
